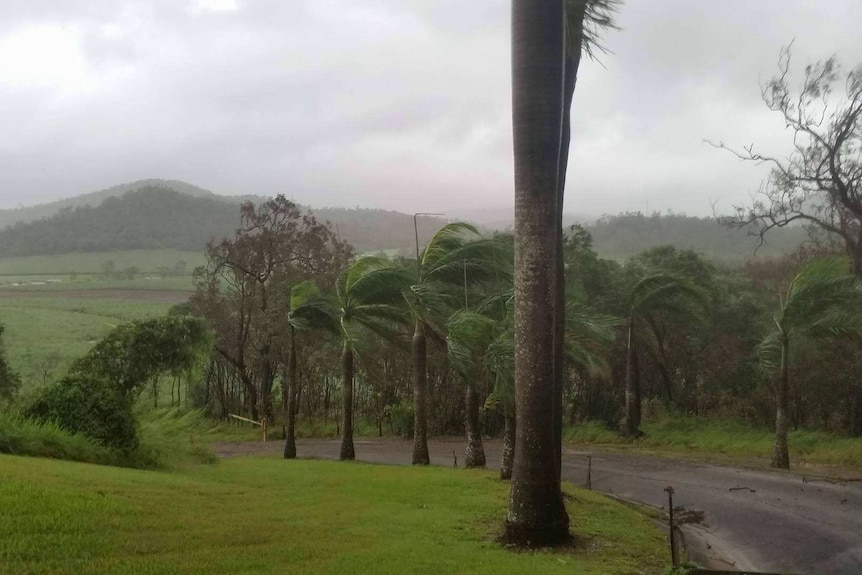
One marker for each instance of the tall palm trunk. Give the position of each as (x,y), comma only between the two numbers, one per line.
(780,452)
(508,443)
(475,455)
(572,62)
(420,391)
(290,411)
(536,515)
(347,451)
(633,408)
(267,376)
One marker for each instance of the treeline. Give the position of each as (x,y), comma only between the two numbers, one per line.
(304,328)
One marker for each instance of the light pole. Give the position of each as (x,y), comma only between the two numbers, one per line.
(416,231)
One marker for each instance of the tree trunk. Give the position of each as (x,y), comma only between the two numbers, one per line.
(780,453)
(266,378)
(347,451)
(290,411)
(570,76)
(508,443)
(475,454)
(536,515)
(633,407)
(420,392)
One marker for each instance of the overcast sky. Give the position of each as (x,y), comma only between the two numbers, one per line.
(398,104)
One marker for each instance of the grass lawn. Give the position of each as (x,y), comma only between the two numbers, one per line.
(44,332)
(266,515)
(730,441)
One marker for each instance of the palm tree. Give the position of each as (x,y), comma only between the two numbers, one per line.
(369,303)
(584,21)
(588,336)
(536,514)
(469,335)
(653,296)
(307,309)
(454,251)
(822,302)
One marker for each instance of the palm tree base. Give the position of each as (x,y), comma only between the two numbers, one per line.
(534,537)
(475,453)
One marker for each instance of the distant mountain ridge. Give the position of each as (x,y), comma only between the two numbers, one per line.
(159,214)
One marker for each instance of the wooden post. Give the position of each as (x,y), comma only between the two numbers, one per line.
(673,555)
(589,472)
(264,429)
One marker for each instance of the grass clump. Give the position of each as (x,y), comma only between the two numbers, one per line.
(265,515)
(22,436)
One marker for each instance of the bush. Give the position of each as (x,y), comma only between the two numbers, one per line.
(400,418)
(88,404)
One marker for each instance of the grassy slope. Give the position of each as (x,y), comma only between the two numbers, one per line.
(66,328)
(265,515)
(728,440)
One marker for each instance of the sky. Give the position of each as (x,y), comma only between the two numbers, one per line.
(400,105)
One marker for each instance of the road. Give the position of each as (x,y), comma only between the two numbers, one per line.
(759,520)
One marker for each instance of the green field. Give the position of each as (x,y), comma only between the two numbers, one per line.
(730,441)
(44,334)
(91,263)
(267,515)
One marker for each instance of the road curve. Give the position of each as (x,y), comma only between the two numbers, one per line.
(766,521)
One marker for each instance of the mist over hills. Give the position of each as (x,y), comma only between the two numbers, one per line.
(162,214)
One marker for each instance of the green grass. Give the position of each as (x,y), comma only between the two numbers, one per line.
(168,439)
(41,329)
(91,263)
(266,515)
(732,439)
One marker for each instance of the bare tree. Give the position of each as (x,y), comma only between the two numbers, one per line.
(819,184)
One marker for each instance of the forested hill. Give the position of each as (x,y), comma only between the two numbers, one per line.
(28,214)
(167,214)
(149,218)
(157,217)
(624,235)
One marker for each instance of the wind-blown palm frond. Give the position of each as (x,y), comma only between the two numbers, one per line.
(469,335)
(309,308)
(588,337)
(668,292)
(585,22)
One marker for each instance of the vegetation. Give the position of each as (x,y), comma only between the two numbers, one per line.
(230,518)
(96,397)
(44,335)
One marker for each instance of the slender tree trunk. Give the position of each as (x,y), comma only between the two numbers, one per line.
(508,443)
(290,411)
(536,515)
(632,386)
(572,62)
(420,392)
(475,454)
(780,453)
(266,379)
(347,451)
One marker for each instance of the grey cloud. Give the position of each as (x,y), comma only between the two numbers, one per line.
(401,105)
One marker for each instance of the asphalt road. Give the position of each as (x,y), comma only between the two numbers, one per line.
(757,520)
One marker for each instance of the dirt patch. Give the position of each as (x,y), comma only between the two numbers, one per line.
(163,296)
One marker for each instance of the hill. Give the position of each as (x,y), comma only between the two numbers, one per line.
(160,217)
(27,214)
(169,214)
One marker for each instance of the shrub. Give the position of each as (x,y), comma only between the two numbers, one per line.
(92,405)
(400,418)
